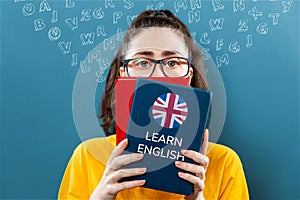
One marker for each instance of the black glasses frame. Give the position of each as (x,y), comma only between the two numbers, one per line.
(155,63)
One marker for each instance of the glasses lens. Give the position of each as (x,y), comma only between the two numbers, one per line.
(175,67)
(142,67)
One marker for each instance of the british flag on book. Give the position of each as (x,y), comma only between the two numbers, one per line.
(169,110)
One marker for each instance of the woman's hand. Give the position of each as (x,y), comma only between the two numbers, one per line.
(199,170)
(109,186)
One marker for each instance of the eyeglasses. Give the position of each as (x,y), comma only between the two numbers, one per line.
(145,67)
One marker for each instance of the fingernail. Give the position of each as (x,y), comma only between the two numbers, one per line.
(142,182)
(184,151)
(180,174)
(139,155)
(177,163)
(124,142)
(143,169)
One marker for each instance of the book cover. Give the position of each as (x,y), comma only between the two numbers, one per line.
(124,90)
(165,118)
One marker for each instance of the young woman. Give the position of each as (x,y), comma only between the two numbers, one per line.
(157,44)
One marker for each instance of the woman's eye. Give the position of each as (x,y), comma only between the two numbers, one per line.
(172,64)
(143,64)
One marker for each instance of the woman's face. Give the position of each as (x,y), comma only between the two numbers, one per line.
(157,43)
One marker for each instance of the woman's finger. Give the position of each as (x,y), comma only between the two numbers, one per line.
(197,157)
(118,150)
(117,187)
(204,145)
(121,160)
(199,184)
(122,173)
(195,169)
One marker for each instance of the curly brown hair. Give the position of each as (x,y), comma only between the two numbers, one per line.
(146,19)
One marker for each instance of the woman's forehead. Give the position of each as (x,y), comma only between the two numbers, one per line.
(159,41)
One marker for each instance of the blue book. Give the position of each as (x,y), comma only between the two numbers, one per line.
(165,118)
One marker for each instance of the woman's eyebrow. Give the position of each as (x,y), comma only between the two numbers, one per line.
(144,53)
(170,53)
(151,53)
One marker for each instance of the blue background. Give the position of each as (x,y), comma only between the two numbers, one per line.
(37,130)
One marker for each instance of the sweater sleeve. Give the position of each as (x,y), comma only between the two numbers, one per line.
(74,183)
(225,177)
(85,168)
(234,185)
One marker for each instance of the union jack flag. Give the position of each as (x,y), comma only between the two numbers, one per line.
(169,110)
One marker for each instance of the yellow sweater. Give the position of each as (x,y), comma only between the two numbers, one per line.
(224,177)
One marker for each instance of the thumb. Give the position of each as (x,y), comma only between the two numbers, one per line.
(204,145)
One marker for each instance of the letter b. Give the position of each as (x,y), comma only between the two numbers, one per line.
(39,24)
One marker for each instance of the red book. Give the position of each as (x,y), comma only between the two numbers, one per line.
(124,90)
